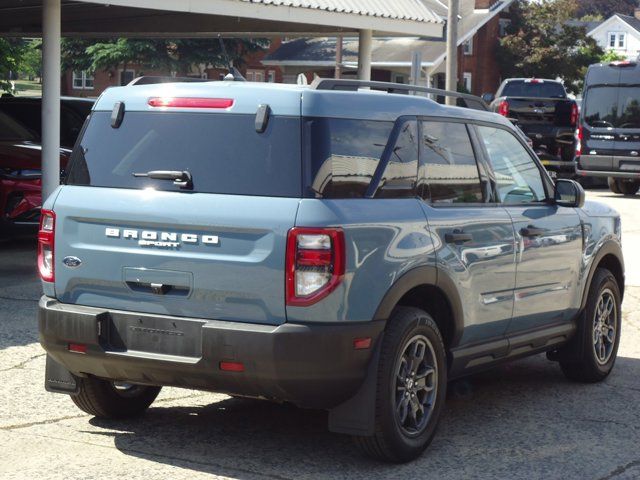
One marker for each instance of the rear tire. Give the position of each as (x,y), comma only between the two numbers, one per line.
(622,187)
(599,332)
(613,185)
(105,399)
(411,391)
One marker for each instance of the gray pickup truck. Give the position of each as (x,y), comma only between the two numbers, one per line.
(545,114)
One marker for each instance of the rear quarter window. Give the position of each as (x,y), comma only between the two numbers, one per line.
(223,153)
(344,154)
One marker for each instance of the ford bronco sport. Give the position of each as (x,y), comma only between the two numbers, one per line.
(331,246)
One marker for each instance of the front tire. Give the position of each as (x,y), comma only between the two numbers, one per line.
(412,382)
(599,334)
(105,399)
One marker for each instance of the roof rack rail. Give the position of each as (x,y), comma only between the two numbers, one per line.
(153,79)
(463,99)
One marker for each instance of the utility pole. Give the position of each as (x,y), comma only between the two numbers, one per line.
(452,50)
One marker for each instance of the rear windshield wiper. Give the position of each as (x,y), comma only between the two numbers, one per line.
(181,178)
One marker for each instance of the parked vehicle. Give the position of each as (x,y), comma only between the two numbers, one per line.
(28,111)
(545,114)
(609,131)
(324,245)
(20,177)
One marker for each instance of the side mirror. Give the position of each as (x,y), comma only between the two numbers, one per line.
(569,193)
(488,97)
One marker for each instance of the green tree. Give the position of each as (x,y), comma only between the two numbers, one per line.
(540,43)
(11,51)
(173,55)
(605,8)
(30,64)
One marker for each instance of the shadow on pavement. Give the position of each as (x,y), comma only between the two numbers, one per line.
(523,420)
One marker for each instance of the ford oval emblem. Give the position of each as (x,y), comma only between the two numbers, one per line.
(72,262)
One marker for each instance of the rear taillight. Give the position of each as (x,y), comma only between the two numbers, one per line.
(503,108)
(46,235)
(574,114)
(579,141)
(315,264)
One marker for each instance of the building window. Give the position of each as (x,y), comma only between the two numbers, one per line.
(466,81)
(617,40)
(255,75)
(398,78)
(126,76)
(503,26)
(467,47)
(82,81)
(271,76)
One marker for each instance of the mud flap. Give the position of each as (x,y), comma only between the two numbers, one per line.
(573,350)
(58,379)
(357,415)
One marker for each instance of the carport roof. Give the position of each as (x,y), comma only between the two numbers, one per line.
(202,18)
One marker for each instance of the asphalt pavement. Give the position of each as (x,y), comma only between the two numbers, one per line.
(520,421)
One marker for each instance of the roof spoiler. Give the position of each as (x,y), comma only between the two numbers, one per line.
(463,99)
(152,80)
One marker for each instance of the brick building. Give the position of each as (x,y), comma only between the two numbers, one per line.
(481,24)
(85,84)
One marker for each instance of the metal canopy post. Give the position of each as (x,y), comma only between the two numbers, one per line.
(51,73)
(364,54)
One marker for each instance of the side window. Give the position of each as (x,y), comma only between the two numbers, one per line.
(344,154)
(518,179)
(448,171)
(400,175)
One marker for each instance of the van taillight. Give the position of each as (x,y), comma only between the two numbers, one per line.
(46,235)
(315,264)
(503,108)
(574,114)
(579,141)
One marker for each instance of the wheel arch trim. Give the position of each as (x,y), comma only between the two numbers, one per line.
(612,248)
(430,276)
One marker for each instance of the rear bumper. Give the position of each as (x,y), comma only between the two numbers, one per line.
(608,166)
(309,365)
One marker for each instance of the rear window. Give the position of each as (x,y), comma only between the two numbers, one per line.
(612,107)
(521,88)
(223,153)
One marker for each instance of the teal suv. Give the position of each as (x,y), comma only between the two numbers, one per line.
(342,246)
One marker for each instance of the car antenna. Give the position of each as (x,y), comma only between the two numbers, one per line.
(233,71)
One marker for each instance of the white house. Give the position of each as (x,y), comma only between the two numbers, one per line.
(620,33)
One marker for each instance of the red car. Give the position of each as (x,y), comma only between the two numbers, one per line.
(20,176)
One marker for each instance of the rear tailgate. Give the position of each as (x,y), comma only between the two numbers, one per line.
(212,247)
(543,112)
(221,256)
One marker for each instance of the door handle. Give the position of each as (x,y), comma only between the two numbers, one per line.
(458,236)
(532,231)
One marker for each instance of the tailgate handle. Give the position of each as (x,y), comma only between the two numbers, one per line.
(158,282)
(156,288)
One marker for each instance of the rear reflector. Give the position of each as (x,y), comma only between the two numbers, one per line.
(362,343)
(232,367)
(182,102)
(77,348)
